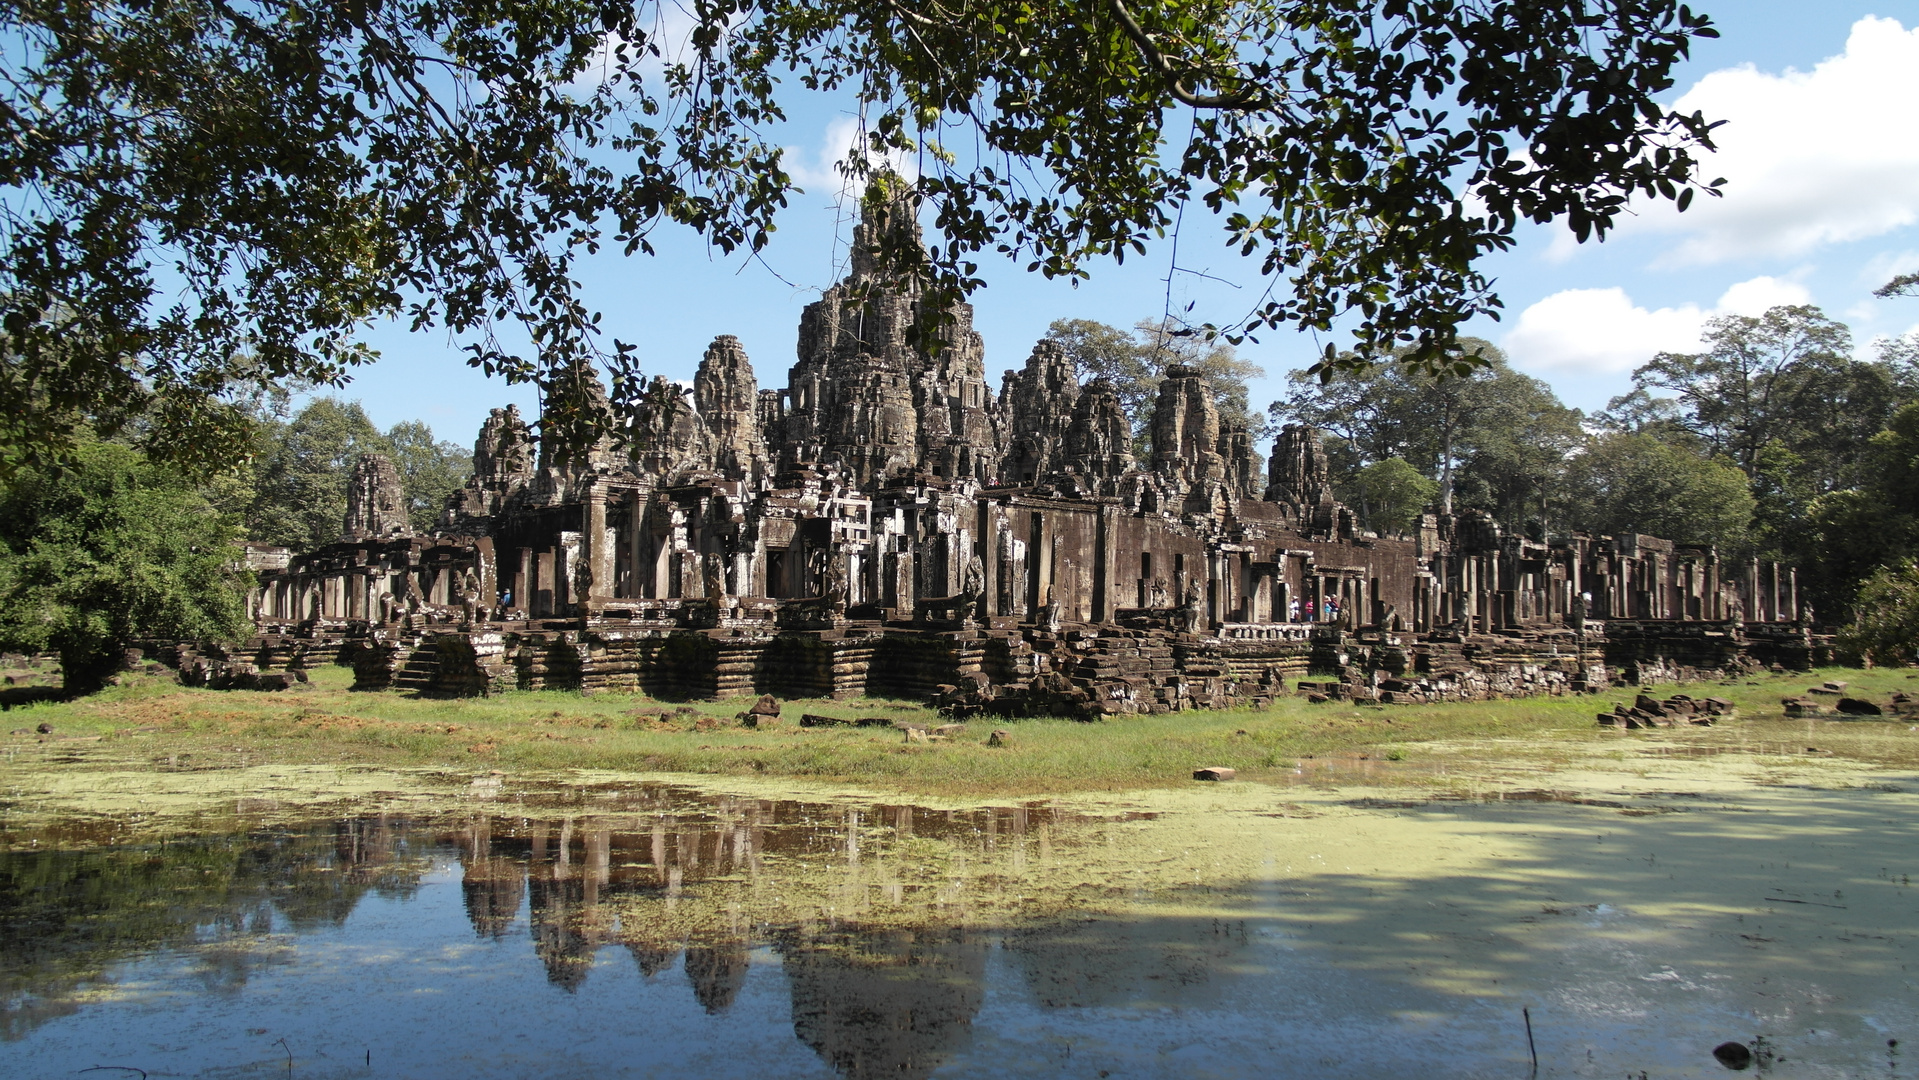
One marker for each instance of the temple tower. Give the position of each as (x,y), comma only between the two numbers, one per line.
(878,349)
(376,501)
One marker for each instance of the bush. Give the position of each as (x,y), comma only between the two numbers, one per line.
(109,550)
(1885,625)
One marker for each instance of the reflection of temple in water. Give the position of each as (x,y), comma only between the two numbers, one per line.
(493,883)
(882,982)
(314,888)
(886,1003)
(717,970)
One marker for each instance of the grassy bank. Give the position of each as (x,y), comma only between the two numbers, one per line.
(151,720)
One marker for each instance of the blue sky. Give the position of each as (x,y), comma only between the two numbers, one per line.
(1820,150)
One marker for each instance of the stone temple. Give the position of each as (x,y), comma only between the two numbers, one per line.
(888,524)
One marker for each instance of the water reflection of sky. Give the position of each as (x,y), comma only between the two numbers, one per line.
(664,933)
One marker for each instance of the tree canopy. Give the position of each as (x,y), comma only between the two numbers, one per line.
(304,466)
(110,549)
(1500,437)
(206,196)
(1136,362)
(1903,285)
(1393,495)
(1885,625)
(1636,483)
(1782,397)
(1786,378)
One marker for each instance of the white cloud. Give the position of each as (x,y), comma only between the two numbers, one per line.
(1810,158)
(823,171)
(1602,332)
(1760,295)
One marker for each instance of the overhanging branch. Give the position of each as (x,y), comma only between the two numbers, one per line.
(1248,98)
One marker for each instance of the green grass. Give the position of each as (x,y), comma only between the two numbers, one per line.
(154,720)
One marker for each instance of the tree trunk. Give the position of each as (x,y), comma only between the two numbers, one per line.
(85,669)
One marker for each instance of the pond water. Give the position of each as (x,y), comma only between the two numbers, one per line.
(620,929)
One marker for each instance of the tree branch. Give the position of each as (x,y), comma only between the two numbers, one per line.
(1903,285)
(1248,98)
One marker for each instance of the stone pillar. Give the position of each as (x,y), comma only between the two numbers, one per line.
(992,540)
(1476,595)
(1215,590)
(1039,558)
(487,570)
(1105,568)
(636,544)
(1010,599)
(904,578)
(596,547)
(540,594)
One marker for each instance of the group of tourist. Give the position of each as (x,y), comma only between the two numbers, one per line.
(1326,612)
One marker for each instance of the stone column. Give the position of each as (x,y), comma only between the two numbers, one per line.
(1039,557)
(541,597)
(1105,571)
(487,570)
(992,541)
(1712,607)
(904,578)
(636,544)
(1215,590)
(596,548)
